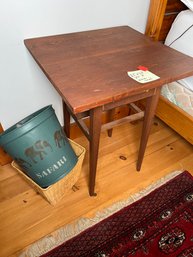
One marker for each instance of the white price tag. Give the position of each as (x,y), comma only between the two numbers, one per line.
(142,76)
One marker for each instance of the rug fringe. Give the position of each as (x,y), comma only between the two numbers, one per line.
(67,232)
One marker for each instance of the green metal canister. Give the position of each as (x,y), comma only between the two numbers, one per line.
(40,147)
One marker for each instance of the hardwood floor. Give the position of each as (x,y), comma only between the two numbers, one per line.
(26,217)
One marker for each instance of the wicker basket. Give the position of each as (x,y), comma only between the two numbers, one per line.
(58,190)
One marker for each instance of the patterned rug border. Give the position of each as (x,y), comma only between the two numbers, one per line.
(69,231)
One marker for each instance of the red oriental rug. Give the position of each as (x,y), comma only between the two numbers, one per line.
(159,224)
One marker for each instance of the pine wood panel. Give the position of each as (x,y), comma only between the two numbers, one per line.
(25,216)
(176,118)
(155,18)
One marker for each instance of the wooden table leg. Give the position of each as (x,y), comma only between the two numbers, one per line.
(151,104)
(110,117)
(95,130)
(66,116)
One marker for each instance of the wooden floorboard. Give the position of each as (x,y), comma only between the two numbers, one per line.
(26,217)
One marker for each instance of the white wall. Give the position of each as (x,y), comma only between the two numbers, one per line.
(23,87)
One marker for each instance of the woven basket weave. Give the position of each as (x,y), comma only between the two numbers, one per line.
(59,189)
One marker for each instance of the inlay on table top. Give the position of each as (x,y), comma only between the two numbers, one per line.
(89,69)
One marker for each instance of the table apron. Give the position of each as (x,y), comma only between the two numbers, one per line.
(130,99)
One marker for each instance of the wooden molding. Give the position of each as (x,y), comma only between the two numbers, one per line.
(157,9)
(176,118)
(161,16)
(4,157)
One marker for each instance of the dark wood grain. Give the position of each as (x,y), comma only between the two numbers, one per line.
(95,129)
(160,17)
(89,69)
(175,6)
(167,22)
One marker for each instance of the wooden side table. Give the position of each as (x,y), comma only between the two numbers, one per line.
(89,71)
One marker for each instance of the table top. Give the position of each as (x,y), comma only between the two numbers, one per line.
(89,69)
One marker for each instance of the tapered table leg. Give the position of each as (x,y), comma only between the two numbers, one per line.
(110,117)
(66,116)
(95,129)
(151,104)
